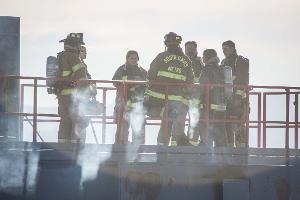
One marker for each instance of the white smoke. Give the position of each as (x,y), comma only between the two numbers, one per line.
(32,170)
(194,115)
(79,110)
(137,120)
(90,161)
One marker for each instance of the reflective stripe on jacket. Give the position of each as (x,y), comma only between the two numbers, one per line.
(169,67)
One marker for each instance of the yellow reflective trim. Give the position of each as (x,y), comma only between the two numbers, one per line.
(218,107)
(129,104)
(171,75)
(67,141)
(77,67)
(132,89)
(155,94)
(173,143)
(196,79)
(66,73)
(194,143)
(170,97)
(242,93)
(233,77)
(185,101)
(68,91)
(92,86)
(194,102)
(124,78)
(161,114)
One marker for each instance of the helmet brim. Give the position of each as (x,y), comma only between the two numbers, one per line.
(79,42)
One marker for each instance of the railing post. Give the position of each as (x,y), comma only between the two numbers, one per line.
(207,109)
(104,117)
(34,127)
(296,120)
(287,128)
(259,121)
(22,110)
(247,116)
(166,118)
(264,119)
(123,110)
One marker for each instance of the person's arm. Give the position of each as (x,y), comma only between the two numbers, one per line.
(242,78)
(242,71)
(77,67)
(118,76)
(190,75)
(204,79)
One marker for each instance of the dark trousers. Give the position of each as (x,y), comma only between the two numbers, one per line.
(177,112)
(216,130)
(236,132)
(72,123)
(122,133)
(134,118)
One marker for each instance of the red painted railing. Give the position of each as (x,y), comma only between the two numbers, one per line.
(261,93)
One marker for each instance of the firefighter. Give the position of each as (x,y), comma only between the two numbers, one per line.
(192,53)
(237,105)
(82,56)
(72,95)
(212,73)
(129,109)
(197,65)
(170,66)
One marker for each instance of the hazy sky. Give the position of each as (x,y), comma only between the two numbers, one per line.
(267,32)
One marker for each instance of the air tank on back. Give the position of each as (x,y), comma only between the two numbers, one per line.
(228,80)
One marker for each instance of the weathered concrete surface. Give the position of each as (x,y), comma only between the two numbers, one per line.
(66,171)
(9,65)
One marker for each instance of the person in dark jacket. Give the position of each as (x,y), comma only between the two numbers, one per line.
(194,112)
(170,66)
(215,109)
(192,53)
(237,105)
(129,109)
(72,96)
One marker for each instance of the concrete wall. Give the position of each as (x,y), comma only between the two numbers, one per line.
(9,65)
(59,171)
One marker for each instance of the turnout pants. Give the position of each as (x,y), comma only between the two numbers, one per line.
(236,132)
(177,112)
(72,122)
(134,118)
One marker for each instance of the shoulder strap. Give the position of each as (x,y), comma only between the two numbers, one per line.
(59,62)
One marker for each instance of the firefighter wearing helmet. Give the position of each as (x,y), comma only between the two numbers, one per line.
(72,95)
(215,108)
(237,105)
(170,66)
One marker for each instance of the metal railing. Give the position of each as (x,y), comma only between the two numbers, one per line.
(261,93)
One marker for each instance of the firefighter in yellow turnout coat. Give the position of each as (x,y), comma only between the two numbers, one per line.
(237,105)
(171,66)
(72,95)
